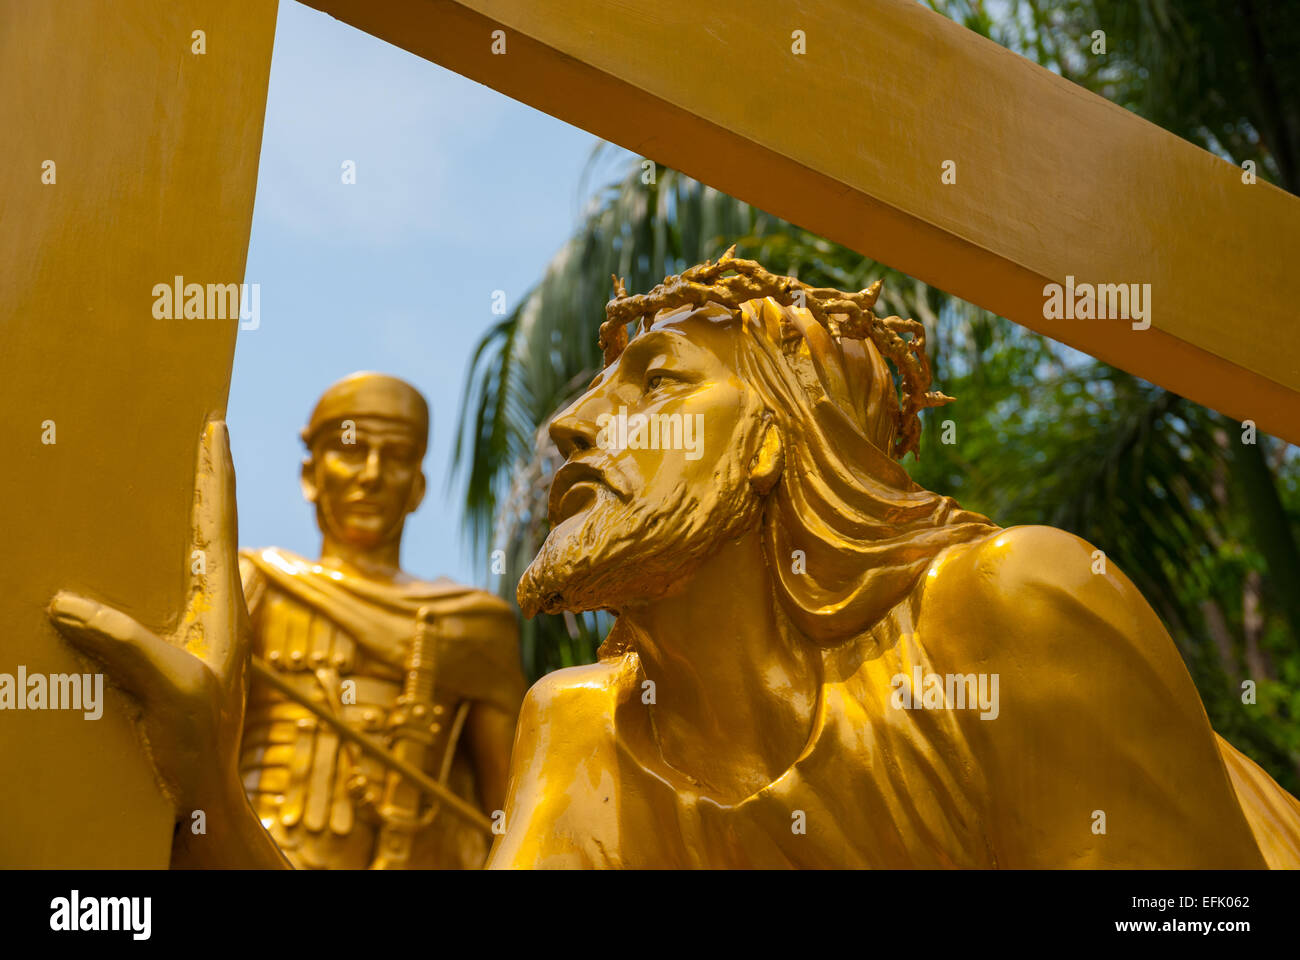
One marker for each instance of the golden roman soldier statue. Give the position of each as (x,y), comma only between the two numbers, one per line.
(340,631)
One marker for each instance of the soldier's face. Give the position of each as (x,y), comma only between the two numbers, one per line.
(657,453)
(365,479)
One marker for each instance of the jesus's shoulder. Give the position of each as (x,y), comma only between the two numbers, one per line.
(583,696)
(565,733)
(1040,595)
(1095,727)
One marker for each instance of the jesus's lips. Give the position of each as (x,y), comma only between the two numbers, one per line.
(574,489)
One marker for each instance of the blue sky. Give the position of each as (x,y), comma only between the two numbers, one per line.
(460,191)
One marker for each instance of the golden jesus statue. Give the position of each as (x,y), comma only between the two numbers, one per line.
(815,662)
(799,624)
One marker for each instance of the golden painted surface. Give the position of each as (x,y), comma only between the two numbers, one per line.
(429,670)
(61,240)
(785,594)
(154,151)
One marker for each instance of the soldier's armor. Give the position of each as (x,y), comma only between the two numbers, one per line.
(302,780)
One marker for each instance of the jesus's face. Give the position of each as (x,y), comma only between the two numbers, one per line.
(656,474)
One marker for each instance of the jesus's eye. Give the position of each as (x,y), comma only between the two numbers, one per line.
(657,378)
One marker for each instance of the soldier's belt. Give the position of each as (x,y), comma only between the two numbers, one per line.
(280,683)
(369,692)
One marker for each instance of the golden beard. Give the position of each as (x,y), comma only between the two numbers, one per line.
(617,554)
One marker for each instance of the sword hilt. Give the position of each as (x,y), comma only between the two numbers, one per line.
(421,662)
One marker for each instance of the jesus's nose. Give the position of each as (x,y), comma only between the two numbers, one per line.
(575,429)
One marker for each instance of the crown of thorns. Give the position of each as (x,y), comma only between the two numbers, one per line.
(842,314)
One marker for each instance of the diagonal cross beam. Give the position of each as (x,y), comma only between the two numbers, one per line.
(849,140)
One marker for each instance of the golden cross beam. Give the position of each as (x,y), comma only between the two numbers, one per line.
(154,151)
(849,139)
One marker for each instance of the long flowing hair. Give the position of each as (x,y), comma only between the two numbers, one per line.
(846,531)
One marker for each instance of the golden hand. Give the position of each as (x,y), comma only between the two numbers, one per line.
(191,685)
